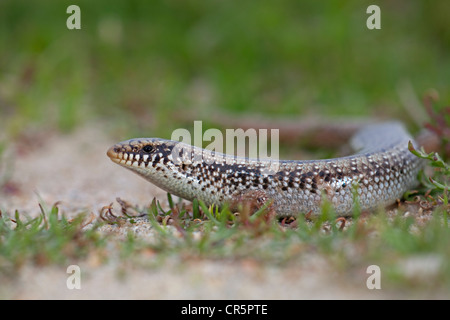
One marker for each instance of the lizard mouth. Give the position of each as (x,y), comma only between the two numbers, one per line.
(126,158)
(134,152)
(115,154)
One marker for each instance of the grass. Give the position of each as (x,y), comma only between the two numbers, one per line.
(137,64)
(196,232)
(47,239)
(410,244)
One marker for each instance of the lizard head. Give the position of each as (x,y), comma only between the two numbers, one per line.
(141,152)
(156,160)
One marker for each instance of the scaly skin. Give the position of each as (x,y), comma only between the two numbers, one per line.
(377,175)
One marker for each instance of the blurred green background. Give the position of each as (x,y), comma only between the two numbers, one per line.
(139,65)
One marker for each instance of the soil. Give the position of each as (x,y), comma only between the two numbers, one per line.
(74,170)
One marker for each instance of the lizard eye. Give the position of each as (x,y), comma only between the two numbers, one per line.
(147,149)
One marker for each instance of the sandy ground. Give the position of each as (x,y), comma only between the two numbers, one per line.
(75,170)
(195,280)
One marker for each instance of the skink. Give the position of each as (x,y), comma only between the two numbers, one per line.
(376,175)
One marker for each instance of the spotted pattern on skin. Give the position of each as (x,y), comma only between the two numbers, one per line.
(378,175)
